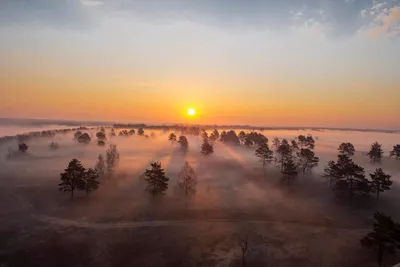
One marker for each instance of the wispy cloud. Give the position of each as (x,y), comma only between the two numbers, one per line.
(384,19)
(91,3)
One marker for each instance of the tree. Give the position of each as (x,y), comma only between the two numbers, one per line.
(395,153)
(112,160)
(84,138)
(346,149)
(265,154)
(276,143)
(347,176)
(101,143)
(214,135)
(284,152)
(23,147)
(72,177)
(306,160)
(77,134)
(230,137)
(244,246)
(113,132)
(306,141)
(101,136)
(140,131)
(289,171)
(132,132)
(256,138)
(207,148)
(204,135)
(187,181)
(183,142)
(384,238)
(376,152)
(380,181)
(123,133)
(172,138)
(242,137)
(102,130)
(248,142)
(100,166)
(157,181)
(90,181)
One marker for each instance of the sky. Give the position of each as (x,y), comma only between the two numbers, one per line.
(320,63)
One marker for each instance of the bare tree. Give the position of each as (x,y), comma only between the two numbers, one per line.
(244,246)
(187,181)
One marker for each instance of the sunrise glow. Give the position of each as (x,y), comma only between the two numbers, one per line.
(191,112)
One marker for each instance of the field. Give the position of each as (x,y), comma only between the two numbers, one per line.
(304,224)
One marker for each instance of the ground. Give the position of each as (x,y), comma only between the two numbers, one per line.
(302,225)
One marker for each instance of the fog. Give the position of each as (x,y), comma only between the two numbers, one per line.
(232,187)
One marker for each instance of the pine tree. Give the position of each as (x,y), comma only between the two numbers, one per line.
(384,238)
(172,138)
(90,181)
(140,131)
(183,142)
(307,160)
(72,177)
(265,154)
(289,171)
(376,152)
(207,148)
(157,181)
(395,153)
(284,152)
(380,181)
(346,149)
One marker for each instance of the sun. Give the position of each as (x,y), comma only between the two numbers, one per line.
(191,111)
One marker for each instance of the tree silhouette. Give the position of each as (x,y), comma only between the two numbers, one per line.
(375,153)
(306,142)
(102,130)
(306,160)
(77,134)
(242,137)
(90,181)
(112,132)
(187,181)
(112,160)
(284,152)
(157,181)
(289,171)
(172,138)
(101,143)
(23,147)
(207,148)
(204,135)
(140,131)
(230,137)
(395,153)
(380,181)
(347,176)
(101,136)
(84,138)
(255,138)
(132,132)
(384,238)
(72,177)
(214,135)
(183,142)
(276,143)
(248,142)
(100,166)
(265,154)
(124,133)
(346,149)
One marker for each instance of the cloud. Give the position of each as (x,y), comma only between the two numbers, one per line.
(384,19)
(91,3)
(332,17)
